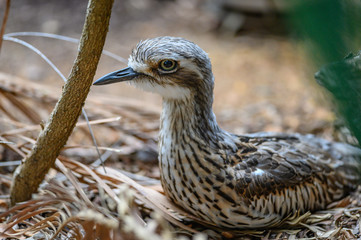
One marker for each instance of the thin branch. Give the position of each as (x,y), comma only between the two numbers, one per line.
(63,38)
(5,19)
(37,51)
(66,112)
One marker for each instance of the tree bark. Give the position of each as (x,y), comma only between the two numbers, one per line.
(61,123)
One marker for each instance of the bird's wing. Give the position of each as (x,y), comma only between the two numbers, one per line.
(283,161)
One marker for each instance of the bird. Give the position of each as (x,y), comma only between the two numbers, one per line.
(247,181)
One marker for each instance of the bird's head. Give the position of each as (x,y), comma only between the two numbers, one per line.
(173,67)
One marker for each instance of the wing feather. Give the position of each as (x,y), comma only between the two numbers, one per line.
(286,161)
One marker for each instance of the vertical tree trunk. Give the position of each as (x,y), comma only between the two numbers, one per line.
(66,112)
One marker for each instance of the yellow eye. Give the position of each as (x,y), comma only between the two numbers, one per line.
(167,65)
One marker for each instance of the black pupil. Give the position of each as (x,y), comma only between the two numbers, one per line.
(168,64)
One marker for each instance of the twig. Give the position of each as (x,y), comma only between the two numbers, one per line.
(63,38)
(5,19)
(66,112)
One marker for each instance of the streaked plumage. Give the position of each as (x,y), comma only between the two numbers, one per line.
(234,181)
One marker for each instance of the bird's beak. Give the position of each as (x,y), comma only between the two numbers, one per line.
(122,75)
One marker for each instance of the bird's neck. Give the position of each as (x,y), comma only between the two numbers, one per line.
(189,116)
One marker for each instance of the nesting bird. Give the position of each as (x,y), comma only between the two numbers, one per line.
(233,181)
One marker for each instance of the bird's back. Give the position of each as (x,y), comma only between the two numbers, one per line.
(289,159)
(293,173)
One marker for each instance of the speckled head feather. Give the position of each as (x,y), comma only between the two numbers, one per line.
(193,71)
(156,49)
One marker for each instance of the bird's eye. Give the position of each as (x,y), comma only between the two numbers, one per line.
(167,65)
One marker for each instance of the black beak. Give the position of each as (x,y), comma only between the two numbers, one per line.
(122,75)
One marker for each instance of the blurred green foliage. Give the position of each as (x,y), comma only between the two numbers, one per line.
(332,29)
(343,80)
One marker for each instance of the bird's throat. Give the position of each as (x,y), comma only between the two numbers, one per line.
(188,117)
